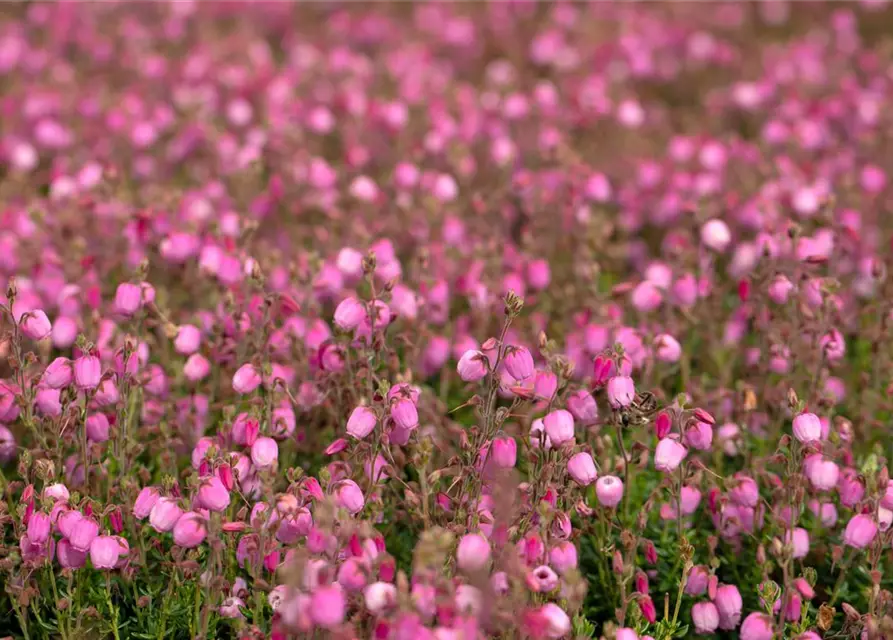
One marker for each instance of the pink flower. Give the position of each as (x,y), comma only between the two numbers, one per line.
(581,468)
(728,602)
(197,368)
(361,422)
(757,626)
(350,496)
(822,474)
(807,428)
(328,606)
(518,363)
(164,514)
(559,425)
(472,366)
(246,379)
(405,414)
(779,289)
(58,374)
(563,557)
(609,491)
(667,348)
(128,299)
(349,314)
(699,435)
(582,406)
(621,391)
(542,579)
(82,533)
(69,557)
(379,596)
(36,325)
(705,616)
(669,454)
(473,552)
(715,235)
(105,551)
(860,531)
(190,530)
(558,624)
(264,452)
(38,530)
(97,426)
(188,339)
(504,452)
(87,372)
(212,495)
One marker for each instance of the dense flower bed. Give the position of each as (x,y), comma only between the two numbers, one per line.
(446,321)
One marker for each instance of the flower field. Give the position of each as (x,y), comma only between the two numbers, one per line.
(446,321)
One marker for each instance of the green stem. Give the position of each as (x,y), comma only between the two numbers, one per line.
(22,620)
(112,608)
(63,615)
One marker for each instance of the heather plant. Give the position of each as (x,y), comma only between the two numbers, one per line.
(446,321)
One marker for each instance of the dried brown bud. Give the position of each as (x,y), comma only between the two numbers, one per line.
(825,618)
